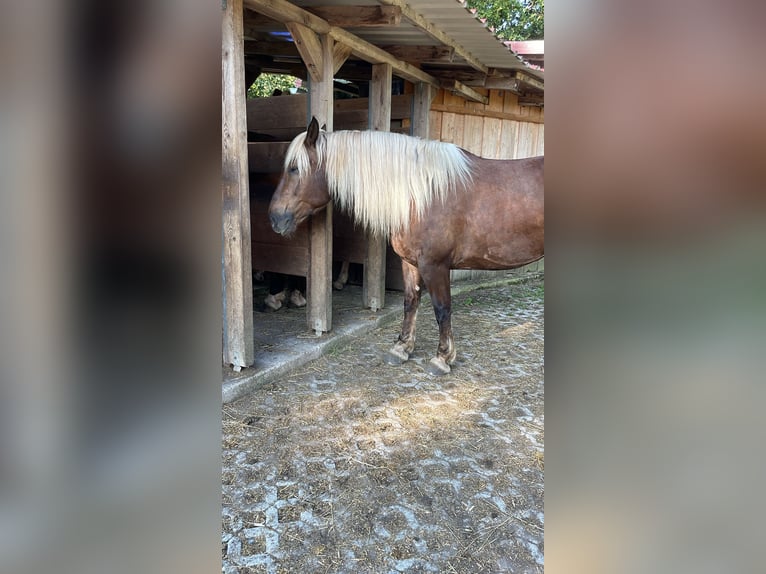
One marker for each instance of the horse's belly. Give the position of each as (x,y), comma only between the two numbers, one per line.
(515,251)
(493,263)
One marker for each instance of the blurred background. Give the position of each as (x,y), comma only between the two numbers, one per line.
(655,286)
(110,301)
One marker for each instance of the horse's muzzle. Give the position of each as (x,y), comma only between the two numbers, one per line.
(282,223)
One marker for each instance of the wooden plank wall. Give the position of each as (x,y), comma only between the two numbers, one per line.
(284,117)
(502,129)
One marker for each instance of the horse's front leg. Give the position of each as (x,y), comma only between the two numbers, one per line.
(437,281)
(412,292)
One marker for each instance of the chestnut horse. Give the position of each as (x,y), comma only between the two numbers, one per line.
(442,208)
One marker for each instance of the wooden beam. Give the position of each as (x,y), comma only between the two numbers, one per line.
(309,47)
(468,77)
(375,55)
(374,282)
(340,53)
(500,83)
(266,157)
(422,53)
(284,11)
(421,107)
(436,33)
(485,113)
(238,342)
(319,280)
(529,80)
(462,90)
(255,21)
(358,16)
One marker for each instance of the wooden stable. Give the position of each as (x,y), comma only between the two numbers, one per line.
(283,118)
(474,92)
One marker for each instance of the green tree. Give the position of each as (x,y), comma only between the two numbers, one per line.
(513,19)
(265,85)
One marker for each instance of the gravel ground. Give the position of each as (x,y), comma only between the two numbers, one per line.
(351,465)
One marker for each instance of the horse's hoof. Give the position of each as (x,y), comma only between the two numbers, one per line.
(297,299)
(438,367)
(273,303)
(396,356)
(337,285)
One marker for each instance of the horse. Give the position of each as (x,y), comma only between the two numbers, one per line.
(441,207)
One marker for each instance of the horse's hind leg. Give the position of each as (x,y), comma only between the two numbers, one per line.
(342,279)
(437,281)
(412,292)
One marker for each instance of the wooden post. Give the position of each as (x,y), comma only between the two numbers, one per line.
(374,282)
(319,281)
(238,344)
(421,106)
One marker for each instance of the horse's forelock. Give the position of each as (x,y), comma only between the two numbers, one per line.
(297,155)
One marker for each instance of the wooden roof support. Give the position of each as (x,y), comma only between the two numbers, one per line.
(435,33)
(462,90)
(358,16)
(503,83)
(529,80)
(421,107)
(309,47)
(239,345)
(284,11)
(319,280)
(340,53)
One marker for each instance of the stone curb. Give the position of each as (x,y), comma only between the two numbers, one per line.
(244,384)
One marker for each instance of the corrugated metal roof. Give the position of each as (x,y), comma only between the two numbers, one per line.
(451,17)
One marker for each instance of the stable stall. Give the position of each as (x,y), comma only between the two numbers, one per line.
(430,69)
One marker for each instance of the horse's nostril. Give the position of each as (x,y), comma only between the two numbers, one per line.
(281,222)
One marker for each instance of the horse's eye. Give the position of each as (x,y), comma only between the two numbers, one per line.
(293,171)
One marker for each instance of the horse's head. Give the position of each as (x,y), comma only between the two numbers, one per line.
(302,190)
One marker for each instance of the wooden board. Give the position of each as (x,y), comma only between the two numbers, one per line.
(284,117)
(266,157)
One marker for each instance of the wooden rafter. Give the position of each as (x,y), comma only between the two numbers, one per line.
(422,53)
(359,16)
(340,53)
(436,33)
(309,47)
(461,89)
(284,11)
(529,80)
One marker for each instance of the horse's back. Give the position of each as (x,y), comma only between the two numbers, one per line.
(495,223)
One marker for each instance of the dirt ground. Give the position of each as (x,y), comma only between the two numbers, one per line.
(351,465)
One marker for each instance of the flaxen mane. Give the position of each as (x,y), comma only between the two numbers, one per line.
(376,176)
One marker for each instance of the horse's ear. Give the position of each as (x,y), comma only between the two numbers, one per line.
(324,127)
(312,133)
